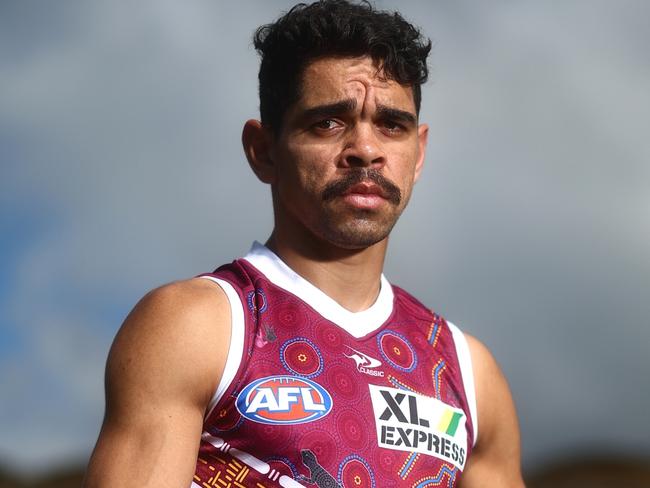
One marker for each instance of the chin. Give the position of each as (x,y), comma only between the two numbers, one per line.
(356,236)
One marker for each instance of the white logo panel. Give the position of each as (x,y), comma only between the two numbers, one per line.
(411,422)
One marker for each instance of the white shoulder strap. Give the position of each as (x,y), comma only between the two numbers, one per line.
(465,361)
(236,349)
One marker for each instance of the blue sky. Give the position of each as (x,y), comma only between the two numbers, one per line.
(121,169)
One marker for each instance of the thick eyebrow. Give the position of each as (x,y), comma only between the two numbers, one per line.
(396,114)
(330,109)
(350,104)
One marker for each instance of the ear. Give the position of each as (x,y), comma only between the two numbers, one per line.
(256,140)
(423,135)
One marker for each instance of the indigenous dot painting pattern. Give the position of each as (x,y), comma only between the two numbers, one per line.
(365,399)
(302,357)
(397,351)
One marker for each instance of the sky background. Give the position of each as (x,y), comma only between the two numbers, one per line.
(121,169)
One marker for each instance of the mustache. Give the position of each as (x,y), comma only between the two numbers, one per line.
(358,175)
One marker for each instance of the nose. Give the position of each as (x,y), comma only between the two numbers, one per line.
(363,148)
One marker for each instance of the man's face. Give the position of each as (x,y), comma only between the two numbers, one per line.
(348,154)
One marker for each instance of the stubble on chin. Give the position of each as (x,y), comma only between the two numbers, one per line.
(357,229)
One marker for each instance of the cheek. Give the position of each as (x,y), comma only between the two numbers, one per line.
(295,187)
(312,167)
(405,176)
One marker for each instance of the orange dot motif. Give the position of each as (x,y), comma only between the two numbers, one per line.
(302,357)
(355,471)
(397,351)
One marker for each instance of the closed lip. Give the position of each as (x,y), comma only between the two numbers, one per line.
(366,188)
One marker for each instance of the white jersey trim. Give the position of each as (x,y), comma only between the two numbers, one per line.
(465,361)
(357,324)
(236,348)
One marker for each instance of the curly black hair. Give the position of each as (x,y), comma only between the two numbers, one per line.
(334,28)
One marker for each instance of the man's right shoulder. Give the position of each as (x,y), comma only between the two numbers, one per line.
(179,332)
(162,371)
(186,312)
(197,302)
(190,295)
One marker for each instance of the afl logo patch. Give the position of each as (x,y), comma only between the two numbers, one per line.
(284,400)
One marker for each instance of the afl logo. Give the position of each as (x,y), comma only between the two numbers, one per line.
(284,400)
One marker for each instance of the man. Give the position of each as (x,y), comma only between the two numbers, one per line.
(300,365)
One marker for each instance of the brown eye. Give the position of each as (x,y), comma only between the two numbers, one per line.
(392,127)
(326,124)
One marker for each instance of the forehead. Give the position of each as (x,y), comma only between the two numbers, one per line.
(331,79)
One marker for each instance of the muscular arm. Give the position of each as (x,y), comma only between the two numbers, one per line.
(495,460)
(162,370)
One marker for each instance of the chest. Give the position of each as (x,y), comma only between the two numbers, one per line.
(316,403)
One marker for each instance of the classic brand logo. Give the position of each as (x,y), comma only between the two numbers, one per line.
(284,400)
(365,364)
(400,425)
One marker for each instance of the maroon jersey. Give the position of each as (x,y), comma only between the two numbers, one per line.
(315,395)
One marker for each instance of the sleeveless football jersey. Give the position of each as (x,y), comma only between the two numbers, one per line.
(315,395)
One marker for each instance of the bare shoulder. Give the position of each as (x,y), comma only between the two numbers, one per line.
(162,370)
(169,336)
(487,373)
(495,460)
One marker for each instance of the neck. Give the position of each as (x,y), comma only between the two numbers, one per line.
(351,277)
